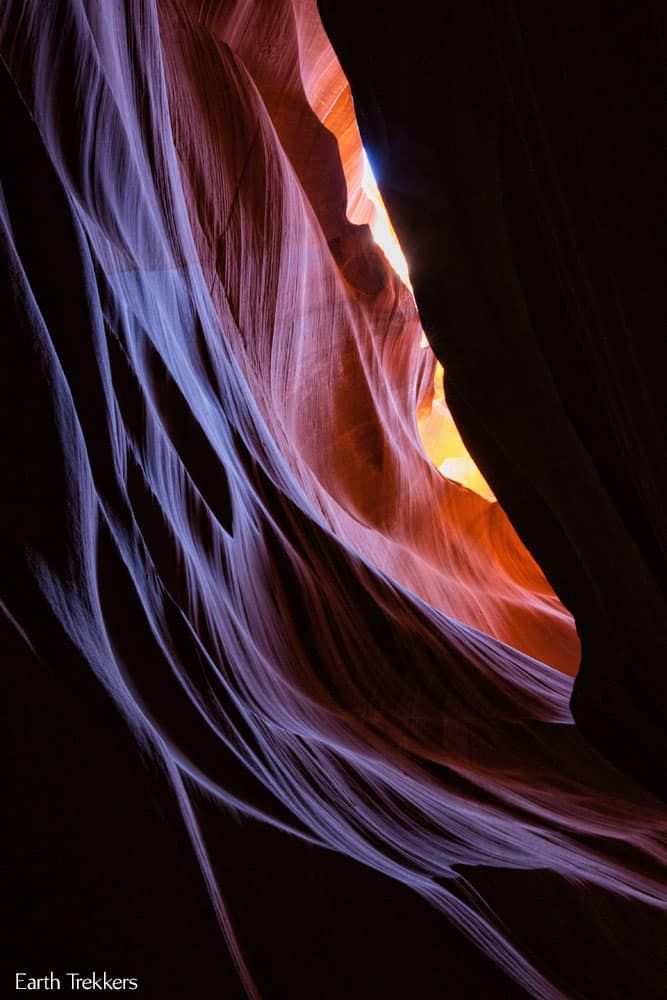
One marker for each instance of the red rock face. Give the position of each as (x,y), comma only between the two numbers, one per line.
(328,338)
(221,508)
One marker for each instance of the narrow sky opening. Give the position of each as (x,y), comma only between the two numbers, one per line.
(380,224)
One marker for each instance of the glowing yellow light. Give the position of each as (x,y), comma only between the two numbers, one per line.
(444,446)
(380,224)
(439,434)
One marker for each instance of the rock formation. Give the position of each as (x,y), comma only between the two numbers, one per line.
(240,598)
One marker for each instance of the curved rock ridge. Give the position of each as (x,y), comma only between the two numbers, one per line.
(220,497)
(342,411)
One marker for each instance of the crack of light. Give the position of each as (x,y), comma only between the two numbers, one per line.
(380,224)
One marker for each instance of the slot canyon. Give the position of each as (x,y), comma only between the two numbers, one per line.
(333,605)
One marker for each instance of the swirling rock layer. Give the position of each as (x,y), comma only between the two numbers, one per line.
(345,680)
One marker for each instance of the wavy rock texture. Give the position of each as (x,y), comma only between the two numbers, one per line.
(220,506)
